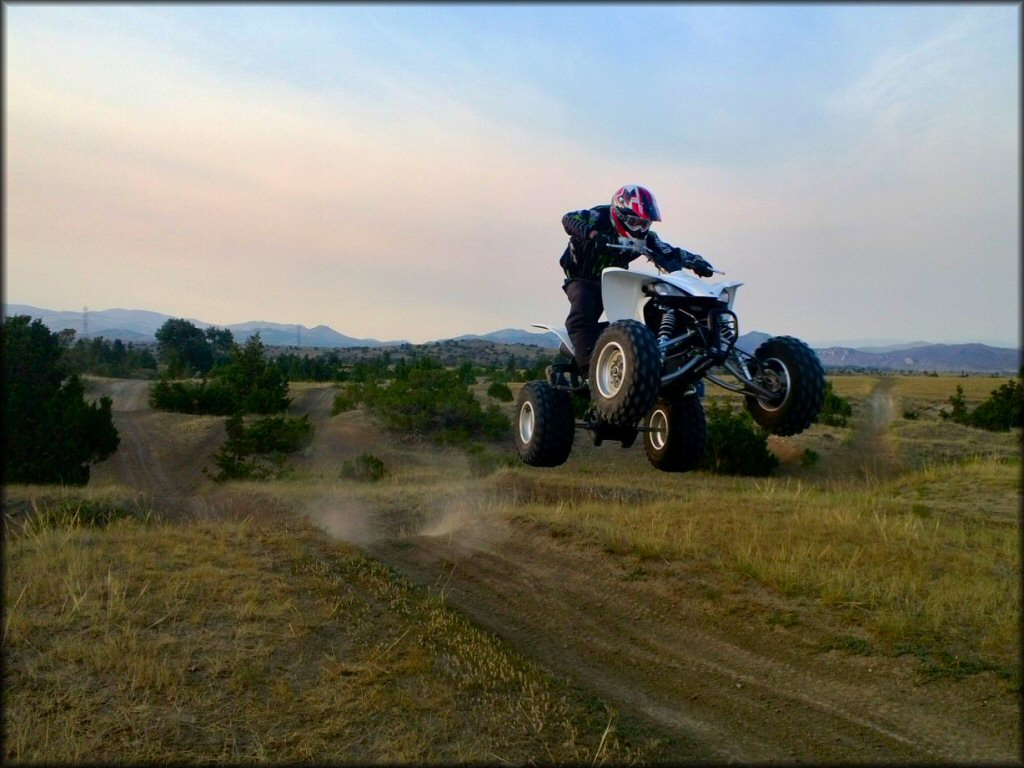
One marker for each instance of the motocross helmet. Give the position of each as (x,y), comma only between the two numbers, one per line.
(633,209)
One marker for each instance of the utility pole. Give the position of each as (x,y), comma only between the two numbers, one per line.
(85,321)
(298,335)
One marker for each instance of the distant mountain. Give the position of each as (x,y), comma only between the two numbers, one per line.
(883,349)
(747,342)
(537,337)
(282,335)
(124,324)
(975,358)
(138,325)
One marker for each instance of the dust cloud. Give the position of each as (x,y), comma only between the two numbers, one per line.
(346,519)
(458,516)
(873,451)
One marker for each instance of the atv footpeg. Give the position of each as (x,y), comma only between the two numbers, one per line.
(566,376)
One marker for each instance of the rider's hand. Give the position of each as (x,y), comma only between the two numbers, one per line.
(673,262)
(600,239)
(699,265)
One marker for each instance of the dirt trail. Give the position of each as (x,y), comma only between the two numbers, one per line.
(721,689)
(718,685)
(162,454)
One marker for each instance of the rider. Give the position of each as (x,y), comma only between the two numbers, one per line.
(591,231)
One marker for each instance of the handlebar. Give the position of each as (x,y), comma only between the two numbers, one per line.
(633,246)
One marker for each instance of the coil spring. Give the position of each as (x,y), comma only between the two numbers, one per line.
(668,325)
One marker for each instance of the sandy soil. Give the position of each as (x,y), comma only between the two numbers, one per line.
(717,685)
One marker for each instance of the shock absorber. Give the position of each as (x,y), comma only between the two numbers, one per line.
(667,328)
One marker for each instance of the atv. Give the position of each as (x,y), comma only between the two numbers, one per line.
(665,335)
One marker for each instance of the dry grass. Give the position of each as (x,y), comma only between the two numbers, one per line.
(243,634)
(928,563)
(931,389)
(246,642)
(904,533)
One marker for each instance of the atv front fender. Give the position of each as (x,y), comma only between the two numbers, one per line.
(560,333)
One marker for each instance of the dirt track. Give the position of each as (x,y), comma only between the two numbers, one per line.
(718,686)
(722,691)
(161,454)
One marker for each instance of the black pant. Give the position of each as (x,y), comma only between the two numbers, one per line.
(582,325)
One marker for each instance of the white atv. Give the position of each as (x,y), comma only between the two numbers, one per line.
(665,334)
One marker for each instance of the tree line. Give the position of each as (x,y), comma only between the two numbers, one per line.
(53,435)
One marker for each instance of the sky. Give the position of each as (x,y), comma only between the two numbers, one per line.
(400,171)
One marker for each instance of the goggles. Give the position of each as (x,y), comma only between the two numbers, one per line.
(636,224)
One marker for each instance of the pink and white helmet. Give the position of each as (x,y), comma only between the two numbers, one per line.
(633,210)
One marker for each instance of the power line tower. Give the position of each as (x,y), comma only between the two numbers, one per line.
(298,335)
(85,322)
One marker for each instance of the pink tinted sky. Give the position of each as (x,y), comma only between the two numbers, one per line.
(400,171)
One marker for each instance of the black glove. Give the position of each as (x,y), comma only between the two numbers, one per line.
(600,240)
(698,265)
(673,262)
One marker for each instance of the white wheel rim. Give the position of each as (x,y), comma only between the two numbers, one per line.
(611,370)
(526,423)
(778,377)
(659,430)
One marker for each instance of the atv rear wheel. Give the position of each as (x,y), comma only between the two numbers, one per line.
(792,372)
(625,373)
(544,426)
(678,431)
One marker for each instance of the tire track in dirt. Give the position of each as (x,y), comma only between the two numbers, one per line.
(138,464)
(720,689)
(161,454)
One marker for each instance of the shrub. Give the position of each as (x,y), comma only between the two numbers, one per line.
(426,399)
(959,402)
(809,457)
(500,391)
(735,444)
(259,451)
(203,397)
(367,468)
(349,397)
(835,410)
(1003,409)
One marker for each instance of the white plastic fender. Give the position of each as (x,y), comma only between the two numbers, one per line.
(624,299)
(560,333)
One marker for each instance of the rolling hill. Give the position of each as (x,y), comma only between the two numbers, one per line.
(139,326)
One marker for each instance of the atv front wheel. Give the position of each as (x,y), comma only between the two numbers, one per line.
(625,373)
(677,433)
(544,426)
(791,371)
